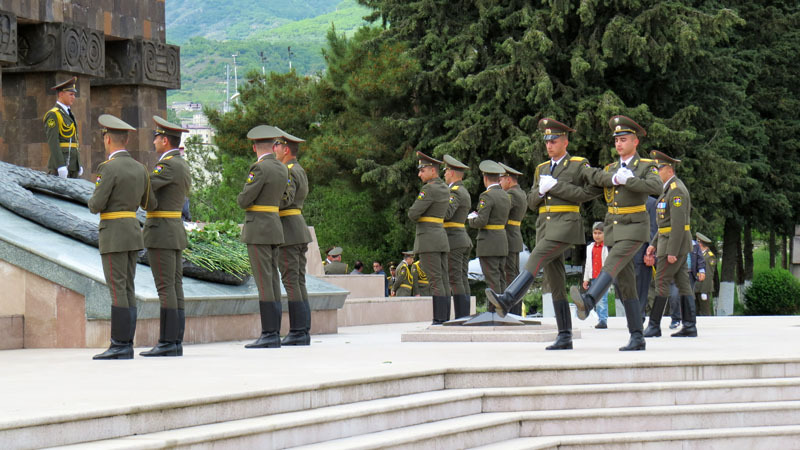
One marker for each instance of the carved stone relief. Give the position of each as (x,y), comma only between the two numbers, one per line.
(8,38)
(141,62)
(59,47)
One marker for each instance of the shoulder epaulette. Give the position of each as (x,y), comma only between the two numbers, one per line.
(544,163)
(673,185)
(710,253)
(53,110)
(454,188)
(169,157)
(577,158)
(647,160)
(290,165)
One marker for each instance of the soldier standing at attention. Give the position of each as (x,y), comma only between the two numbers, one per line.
(457,237)
(625,185)
(292,253)
(422,285)
(262,193)
(704,290)
(519,206)
(430,242)
(165,237)
(668,249)
(61,130)
(122,185)
(333,264)
(556,194)
(490,219)
(403,285)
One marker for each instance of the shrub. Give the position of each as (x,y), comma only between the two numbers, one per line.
(773,292)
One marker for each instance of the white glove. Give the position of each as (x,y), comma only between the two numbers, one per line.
(472,215)
(704,296)
(546,182)
(62,171)
(80,171)
(622,176)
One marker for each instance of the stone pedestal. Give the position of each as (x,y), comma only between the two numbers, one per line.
(724,304)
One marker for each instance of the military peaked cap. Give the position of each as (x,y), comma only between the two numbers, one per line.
(265,133)
(553,129)
(509,170)
(703,238)
(408,253)
(289,137)
(622,125)
(453,163)
(662,158)
(425,160)
(492,168)
(113,124)
(335,251)
(167,128)
(70,85)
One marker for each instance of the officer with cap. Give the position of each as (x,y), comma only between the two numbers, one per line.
(490,220)
(557,194)
(668,249)
(457,237)
(404,281)
(519,206)
(121,186)
(625,185)
(704,289)
(333,262)
(165,237)
(261,196)
(430,242)
(296,237)
(61,130)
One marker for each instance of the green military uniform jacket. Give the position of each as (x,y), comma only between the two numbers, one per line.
(122,185)
(620,223)
(428,212)
(559,209)
(170,182)
(707,286)
(62,139)
(334,267)
(295,230)
(519,206)
(456,215)
(404,282)
(421,284)
(265,187)
(493,208)
(673,213)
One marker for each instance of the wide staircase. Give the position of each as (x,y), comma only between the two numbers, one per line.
(723,404)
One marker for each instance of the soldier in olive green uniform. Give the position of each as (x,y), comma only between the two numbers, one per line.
(704,290)
(61,130)
(262,193)
(625,185)
(457,237)
(557,192)
(669,248)
(165,237)
(490,219)
(333,264)
(403,285)
(422,286)
(430,242)
(293,251)
(519,206)
(122,185)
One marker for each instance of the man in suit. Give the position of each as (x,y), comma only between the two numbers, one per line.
(625,185)
(457,237)
(121,186)
(61,130)
(490,220)
(557,194)
(261,197)
(165,237)
(519,206)
(333,264)
(430,241)
(403,285)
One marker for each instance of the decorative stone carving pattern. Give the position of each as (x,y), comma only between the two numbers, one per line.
(8,38)
(58,47)
(141,62)
(161,62)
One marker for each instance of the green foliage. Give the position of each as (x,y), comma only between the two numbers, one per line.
(533,301)
(773,292)
(217,247)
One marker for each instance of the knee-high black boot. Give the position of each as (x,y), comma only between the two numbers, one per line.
(298,334)
(654,327)
(270,326)
(688,316)
(167,345)
(181,330)
(461,305)
(441,309)
(121,337)
(564,321)
(586,301)
(512,295)
(633,317)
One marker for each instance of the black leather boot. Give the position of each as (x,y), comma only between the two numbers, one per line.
(167,343)
(441,309)
(632,315)
(585,302)
(564,321)
(461,305)
(689,316)
(270,326)
(513,294)
(298,334)
(121,347)
(181,330)
(654,327)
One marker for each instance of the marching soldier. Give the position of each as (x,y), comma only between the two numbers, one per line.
(61,130)
(296,238)
(490,219)
(457,237)
(430,242)
(704,289)
(261,196)
(333,264)
(625,185)
(668,249)
(121,186)
(403,285)
(519,206)
(556,194)
(165,237)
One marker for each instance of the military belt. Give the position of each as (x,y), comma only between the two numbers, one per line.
(494,227)
(406,286)
(163,214)
(68,145)
(559,209)
(626,209)
(262,208)
(422,282)
(431,219)
(118,215)
(516,223)
(453,225)
(665,230)
(290,212)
